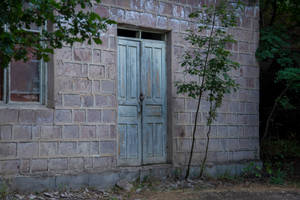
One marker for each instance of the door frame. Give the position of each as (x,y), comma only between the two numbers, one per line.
(166,100)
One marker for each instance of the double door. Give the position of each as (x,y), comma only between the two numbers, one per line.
(141,102)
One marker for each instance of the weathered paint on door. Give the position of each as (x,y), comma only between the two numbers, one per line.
(129,116)
(153,86)
(141,102)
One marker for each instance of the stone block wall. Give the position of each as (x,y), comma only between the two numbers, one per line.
(79,133)
(235,133)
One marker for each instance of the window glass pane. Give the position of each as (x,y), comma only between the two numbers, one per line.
(127,33)
(25,80)
(1,82)
(152,36)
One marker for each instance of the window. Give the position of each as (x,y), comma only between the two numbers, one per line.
(24,82)
(141,34)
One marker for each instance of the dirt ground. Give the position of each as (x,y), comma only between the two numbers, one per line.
(238,192)
(177,190)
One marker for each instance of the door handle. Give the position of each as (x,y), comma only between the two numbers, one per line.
(141,99)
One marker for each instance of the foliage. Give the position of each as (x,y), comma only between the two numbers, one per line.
(3,191)
(279,55)
(278,171)
(177,173)
(281,149)
(144,182)
(209,62)
(226,176)
(279,156)
(252,171)
(62,22)
(274,45)
(275,174)
(291,77)
(275,48)
(278,177)
(279,12)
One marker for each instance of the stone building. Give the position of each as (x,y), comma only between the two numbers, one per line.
(96,114)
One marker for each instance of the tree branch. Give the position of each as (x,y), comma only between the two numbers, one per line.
(274,12)
(272,112)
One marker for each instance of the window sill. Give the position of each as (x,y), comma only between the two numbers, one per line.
(23,105)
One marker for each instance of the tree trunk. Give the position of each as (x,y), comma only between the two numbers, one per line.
(207,139)
(194,132)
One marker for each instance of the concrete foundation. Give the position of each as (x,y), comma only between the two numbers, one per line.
(107,179)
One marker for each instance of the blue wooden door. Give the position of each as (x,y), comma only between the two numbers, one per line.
(129,113)
(153,87)
(141,102)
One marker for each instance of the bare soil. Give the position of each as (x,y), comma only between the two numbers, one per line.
(236,192)
(179,190)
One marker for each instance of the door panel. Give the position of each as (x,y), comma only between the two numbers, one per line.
(141,123)
(154,104)
(129,117)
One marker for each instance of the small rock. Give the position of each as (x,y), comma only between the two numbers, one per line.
(105,194)
(19,196)
(31,196)
(100,190)
(138,190)
(191,181)
(46,194)
(125,185)
(64,195)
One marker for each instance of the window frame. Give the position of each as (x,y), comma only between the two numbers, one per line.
(43,68)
